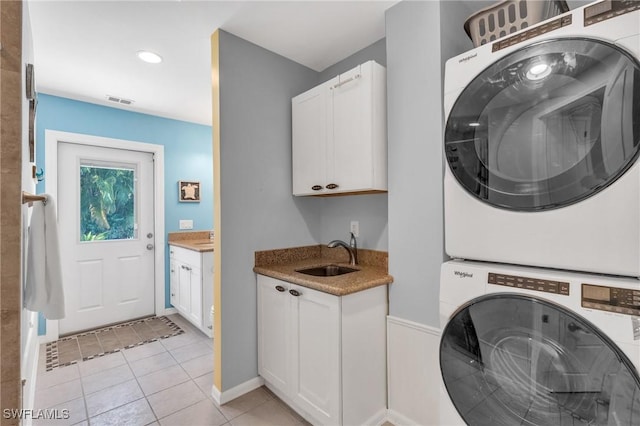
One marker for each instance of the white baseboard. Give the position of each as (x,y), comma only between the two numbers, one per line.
(237,391)
(168,311)
(413,372)
(398,419)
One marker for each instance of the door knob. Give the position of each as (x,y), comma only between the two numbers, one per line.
(149,246)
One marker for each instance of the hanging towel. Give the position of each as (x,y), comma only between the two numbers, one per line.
(43,289)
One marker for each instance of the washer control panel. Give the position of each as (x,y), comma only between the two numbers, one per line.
(611,299)
(527,283)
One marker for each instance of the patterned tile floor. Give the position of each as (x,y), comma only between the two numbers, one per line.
(166,382)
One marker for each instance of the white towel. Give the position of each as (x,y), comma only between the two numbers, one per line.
(43,289)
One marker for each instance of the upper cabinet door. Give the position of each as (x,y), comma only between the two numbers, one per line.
(310,118)
(339,134)
(351,150)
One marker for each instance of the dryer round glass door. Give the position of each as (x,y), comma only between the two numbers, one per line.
(546,126)
(509,359)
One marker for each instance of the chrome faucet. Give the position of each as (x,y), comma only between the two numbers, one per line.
(351,250)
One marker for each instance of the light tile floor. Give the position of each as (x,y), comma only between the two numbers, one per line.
(167,382)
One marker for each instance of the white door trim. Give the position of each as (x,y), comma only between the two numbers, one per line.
(52,138)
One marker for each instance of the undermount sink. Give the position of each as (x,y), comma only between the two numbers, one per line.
(327,270)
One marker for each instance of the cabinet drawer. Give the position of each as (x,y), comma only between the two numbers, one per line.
(184,255)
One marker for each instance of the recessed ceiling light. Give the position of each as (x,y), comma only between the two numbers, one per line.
(149,57)
(474,124)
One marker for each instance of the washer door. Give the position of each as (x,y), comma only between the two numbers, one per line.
(546,126)
(507,359)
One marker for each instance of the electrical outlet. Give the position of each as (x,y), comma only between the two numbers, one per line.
(186,224)
(355,228)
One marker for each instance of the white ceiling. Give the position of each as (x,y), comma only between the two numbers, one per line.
(86,49)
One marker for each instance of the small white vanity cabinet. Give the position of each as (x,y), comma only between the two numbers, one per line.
(324,355)
(339,134)
(191,284)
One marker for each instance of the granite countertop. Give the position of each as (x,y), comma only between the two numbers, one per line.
(192,240)
(283,265)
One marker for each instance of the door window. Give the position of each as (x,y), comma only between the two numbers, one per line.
(107,201)
(546,126)
(514,360)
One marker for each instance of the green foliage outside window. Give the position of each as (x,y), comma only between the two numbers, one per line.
(106,203)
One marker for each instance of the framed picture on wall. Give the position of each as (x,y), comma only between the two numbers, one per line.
(188,191)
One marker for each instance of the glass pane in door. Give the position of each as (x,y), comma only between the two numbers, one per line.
(107,203)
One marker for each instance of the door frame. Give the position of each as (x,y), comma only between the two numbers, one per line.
(52,139)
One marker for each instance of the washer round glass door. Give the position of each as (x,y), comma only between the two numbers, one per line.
(509,359)
(546,126)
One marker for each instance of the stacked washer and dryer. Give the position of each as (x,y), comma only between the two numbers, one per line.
(540,308)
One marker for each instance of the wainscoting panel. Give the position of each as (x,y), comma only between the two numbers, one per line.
(414,372)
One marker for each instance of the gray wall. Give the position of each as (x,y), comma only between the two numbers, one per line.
(258,209)
(414,109)
(375,52)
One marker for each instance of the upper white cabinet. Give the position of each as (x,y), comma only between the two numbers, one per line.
(340,134)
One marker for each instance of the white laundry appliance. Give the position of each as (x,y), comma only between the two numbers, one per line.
(530,346)
(542,140)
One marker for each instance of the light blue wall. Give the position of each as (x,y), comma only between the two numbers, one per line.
(187,152)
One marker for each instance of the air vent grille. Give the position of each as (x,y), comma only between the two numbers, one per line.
(119,100)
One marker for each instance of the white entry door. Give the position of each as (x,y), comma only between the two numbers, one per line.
(105,216)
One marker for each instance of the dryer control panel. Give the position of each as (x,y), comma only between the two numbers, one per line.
(611,299)
(608,9)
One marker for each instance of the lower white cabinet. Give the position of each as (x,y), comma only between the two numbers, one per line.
(191,282)
(324,355)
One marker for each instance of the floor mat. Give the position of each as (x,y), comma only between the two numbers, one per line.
(103,341)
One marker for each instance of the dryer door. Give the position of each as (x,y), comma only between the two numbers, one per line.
(508,359)
(546,126)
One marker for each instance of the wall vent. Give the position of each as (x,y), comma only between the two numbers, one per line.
(119,100)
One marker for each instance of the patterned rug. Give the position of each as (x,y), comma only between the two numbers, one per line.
(103,341)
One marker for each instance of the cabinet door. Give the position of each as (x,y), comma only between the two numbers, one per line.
(184,288)
(195,294)
(273,332)
(352,165)
(310,124)
(173,282)
(315,321)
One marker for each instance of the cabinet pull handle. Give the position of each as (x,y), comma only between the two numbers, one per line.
(316,187)
(346,81)
(280,288)
(185,267)
(332,186)
(294,293)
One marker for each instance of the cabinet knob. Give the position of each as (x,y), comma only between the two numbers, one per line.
(332,186)
(173,294)
(294,293)
(280,288)
(316,187)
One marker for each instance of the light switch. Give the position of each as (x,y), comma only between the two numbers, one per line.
(186,224)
